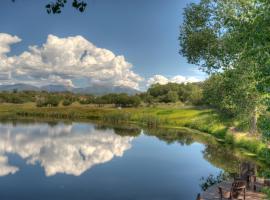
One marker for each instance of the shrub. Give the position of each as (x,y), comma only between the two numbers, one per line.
(229,139)
(41,103)
(253,146)
(87,100)
(67,102)
(265,154)
(48,101)
(266,190)
(53,101)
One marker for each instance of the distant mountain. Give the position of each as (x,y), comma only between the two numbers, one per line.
(99,90)
(18,87)
(56,88)
(95,89)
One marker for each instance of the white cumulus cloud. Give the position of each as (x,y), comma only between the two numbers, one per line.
(175,79)
(61,60)
(5,41)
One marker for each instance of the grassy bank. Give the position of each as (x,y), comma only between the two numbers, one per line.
(169,116)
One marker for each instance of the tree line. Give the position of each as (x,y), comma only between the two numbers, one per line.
(54,99)
(190,94)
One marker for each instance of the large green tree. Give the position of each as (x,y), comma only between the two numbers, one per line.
(171,92)
(235,94)
(231,37)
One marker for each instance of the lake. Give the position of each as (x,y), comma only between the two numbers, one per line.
(40,160)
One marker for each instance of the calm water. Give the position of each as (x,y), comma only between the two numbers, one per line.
(86,161)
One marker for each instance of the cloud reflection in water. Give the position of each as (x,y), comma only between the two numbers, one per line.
(70,149)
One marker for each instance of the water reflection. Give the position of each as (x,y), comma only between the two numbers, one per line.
(176,157)
(220,155)
(61,148)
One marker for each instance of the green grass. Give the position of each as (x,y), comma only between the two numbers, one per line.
(205,120)
(196,118)
(202,119)
(266,190)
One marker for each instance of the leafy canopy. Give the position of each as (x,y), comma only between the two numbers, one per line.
(231,38)
(220,34)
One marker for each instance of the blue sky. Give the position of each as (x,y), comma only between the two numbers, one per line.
(145,32)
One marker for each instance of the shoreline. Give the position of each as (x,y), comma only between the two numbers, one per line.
(190,119)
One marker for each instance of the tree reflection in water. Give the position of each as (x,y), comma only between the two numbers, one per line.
(73,148)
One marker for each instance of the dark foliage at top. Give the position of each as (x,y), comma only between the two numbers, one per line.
(57,6)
